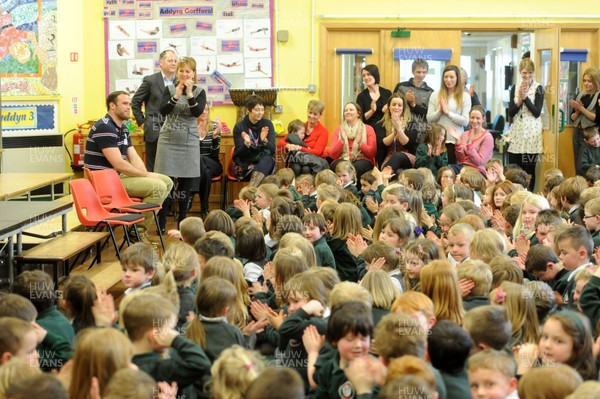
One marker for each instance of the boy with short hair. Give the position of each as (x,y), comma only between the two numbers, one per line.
(305,185)
(449,346)
(489,327)
(492,375)
(575,247)
(191,229)
(138,264)
(412,178)
(589,154)
(53,350)
(18,338)
(286,177)
(459,238)
(349,331)
(369,189)
(591,219)
(543,221)
(480,274)
(38,287)
(150,324)
(315,229)
(543,263)
(568,192)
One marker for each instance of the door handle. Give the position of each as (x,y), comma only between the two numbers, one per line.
(562,121)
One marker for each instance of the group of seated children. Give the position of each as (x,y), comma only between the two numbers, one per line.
(422,286)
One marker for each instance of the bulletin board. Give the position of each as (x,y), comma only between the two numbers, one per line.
(231,41)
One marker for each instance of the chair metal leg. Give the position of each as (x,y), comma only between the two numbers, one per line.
(114,240)
(162,241)
(137,233)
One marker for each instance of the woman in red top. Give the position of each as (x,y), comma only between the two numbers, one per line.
(475,147)
(308,159)
(354,141)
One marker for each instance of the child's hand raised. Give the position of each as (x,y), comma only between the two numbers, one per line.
(243,206)
(314,308)
(312,340)
(428,220)
(486,212)
(104,310)
(276,319)
(166,391)
(371,204)
(377,264)
(356,244)
(268,271)
(255,327)
(522,246)
(40,332)
(367,233)
(173,233)
(163,337)
(260,310)
(466,286)
(525,355)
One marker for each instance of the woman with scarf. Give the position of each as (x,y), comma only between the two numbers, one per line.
(525,107)
(353,141)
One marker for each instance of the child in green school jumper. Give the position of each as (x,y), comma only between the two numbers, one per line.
(349,331)
(150,322)
(315,230)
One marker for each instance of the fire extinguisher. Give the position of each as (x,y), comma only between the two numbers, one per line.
(78,148)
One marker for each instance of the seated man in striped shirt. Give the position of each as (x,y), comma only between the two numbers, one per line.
(108,146)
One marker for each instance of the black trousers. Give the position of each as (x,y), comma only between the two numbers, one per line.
(527,162)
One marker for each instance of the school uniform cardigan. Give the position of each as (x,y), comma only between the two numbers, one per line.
(323,252)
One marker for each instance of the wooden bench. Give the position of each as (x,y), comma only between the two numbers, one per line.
(59,250)
(106,275)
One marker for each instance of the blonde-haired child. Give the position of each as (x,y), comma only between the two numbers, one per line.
(233,372)
(329,277)
(486,244)
(530,207)
(432,153)
(231,271)
(246,195)
(382,290)
(347,291)
(520,309)
(549,382)
(440,283)
(346,176)
(346,221)
(459,239)
(505,268)
(15,370)
(396,231)
(418,253)
(210,328)
(182,260)
(386,213)
(383,256)
(296,241)
(98,353)
(492,374)
(480,274)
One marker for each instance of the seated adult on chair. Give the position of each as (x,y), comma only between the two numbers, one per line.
(254,143)
(108,146)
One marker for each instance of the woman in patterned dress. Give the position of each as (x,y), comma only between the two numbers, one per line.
(525,107)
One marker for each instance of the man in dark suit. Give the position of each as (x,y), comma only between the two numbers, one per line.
(150,94)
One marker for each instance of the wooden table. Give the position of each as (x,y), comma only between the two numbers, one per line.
(14,185)
(17,216)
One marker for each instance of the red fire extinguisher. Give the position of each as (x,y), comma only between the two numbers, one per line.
(78,148)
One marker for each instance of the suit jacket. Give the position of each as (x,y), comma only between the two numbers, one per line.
(150,94)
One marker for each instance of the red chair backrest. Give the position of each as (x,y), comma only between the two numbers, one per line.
(109,188)
(88,206)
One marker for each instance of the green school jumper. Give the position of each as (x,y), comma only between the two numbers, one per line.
(187,364)
(323,252)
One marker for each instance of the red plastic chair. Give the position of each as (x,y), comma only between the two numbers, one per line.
(92,214)
(114,197)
